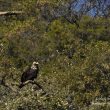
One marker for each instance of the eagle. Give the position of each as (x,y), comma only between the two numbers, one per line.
(30,74)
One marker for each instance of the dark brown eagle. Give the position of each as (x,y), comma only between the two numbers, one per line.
(29,74)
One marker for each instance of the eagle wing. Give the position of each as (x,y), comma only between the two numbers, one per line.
(25,75)
(29,74)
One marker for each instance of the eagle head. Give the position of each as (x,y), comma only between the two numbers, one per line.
(34,65)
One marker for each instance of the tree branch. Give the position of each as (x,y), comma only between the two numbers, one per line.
(7,13)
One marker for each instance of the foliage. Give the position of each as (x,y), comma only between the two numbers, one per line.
(74,61)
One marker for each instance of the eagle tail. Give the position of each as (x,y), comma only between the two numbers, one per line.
(21,85)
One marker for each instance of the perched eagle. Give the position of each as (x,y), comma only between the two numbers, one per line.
(30,74)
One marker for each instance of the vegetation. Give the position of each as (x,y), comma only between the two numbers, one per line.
(73,52)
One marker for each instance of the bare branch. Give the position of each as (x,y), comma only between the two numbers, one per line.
(33,82)
(6,13)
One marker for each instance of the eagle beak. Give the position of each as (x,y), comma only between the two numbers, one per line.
(37,63)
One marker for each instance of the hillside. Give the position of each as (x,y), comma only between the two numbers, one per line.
(73,55)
